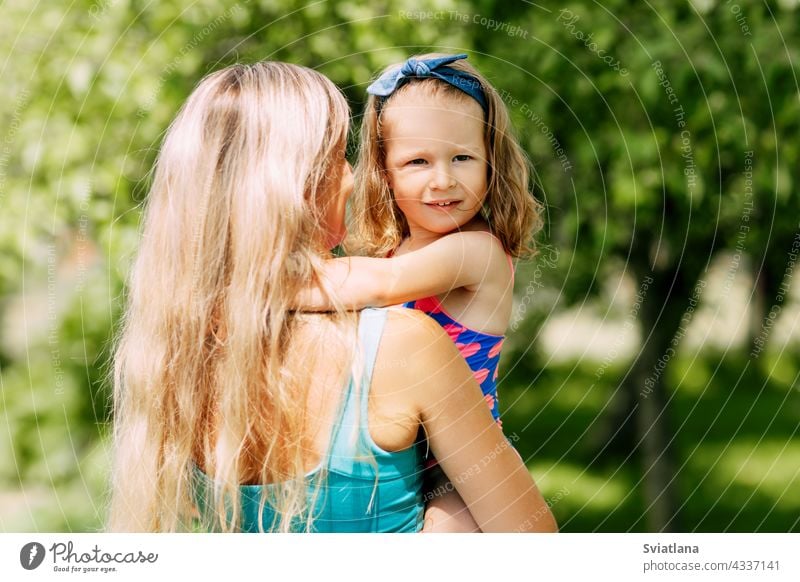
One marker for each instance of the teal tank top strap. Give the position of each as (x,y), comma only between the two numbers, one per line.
(370,332)
(351,435)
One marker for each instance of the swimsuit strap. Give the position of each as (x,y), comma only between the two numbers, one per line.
(351,433)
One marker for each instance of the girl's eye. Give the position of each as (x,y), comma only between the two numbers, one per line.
(462,158)
(416,162)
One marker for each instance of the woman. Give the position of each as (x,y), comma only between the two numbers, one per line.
(263,419)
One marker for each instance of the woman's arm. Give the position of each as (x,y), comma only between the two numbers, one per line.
(456,260)
(471,449)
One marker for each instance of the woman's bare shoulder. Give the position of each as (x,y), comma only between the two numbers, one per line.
(410,323)
(411,330)
(414,339)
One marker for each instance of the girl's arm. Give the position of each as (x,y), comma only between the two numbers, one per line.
(456,260)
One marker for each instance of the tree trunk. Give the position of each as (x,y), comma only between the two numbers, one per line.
(664,323)
(647,388)
(638,419)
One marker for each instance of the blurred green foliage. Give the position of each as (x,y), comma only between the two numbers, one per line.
(90,88)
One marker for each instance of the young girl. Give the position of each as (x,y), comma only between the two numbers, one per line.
(442,191)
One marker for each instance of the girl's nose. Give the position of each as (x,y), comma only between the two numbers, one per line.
(442,179)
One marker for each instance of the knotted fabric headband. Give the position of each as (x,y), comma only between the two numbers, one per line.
(435,68)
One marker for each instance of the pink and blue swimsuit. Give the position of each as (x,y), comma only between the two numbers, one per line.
(480,350)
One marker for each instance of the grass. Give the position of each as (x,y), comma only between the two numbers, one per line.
(736,446)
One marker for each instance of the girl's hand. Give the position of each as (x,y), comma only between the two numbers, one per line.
(353,279)
(311,299)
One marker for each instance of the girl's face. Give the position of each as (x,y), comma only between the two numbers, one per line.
(334,220)
(435,161)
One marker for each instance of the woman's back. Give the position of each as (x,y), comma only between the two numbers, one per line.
(355,485)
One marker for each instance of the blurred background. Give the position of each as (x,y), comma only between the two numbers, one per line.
(651,371)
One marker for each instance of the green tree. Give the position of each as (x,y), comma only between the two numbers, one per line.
(675,122)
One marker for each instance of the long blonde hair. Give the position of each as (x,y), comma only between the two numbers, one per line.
(511,211)
(205,367)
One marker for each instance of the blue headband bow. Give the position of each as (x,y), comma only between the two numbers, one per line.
(389,82)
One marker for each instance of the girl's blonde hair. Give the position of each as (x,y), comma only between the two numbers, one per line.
(512,213)
(208,370)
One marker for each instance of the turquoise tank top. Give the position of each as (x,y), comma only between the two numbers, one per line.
(364,488)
